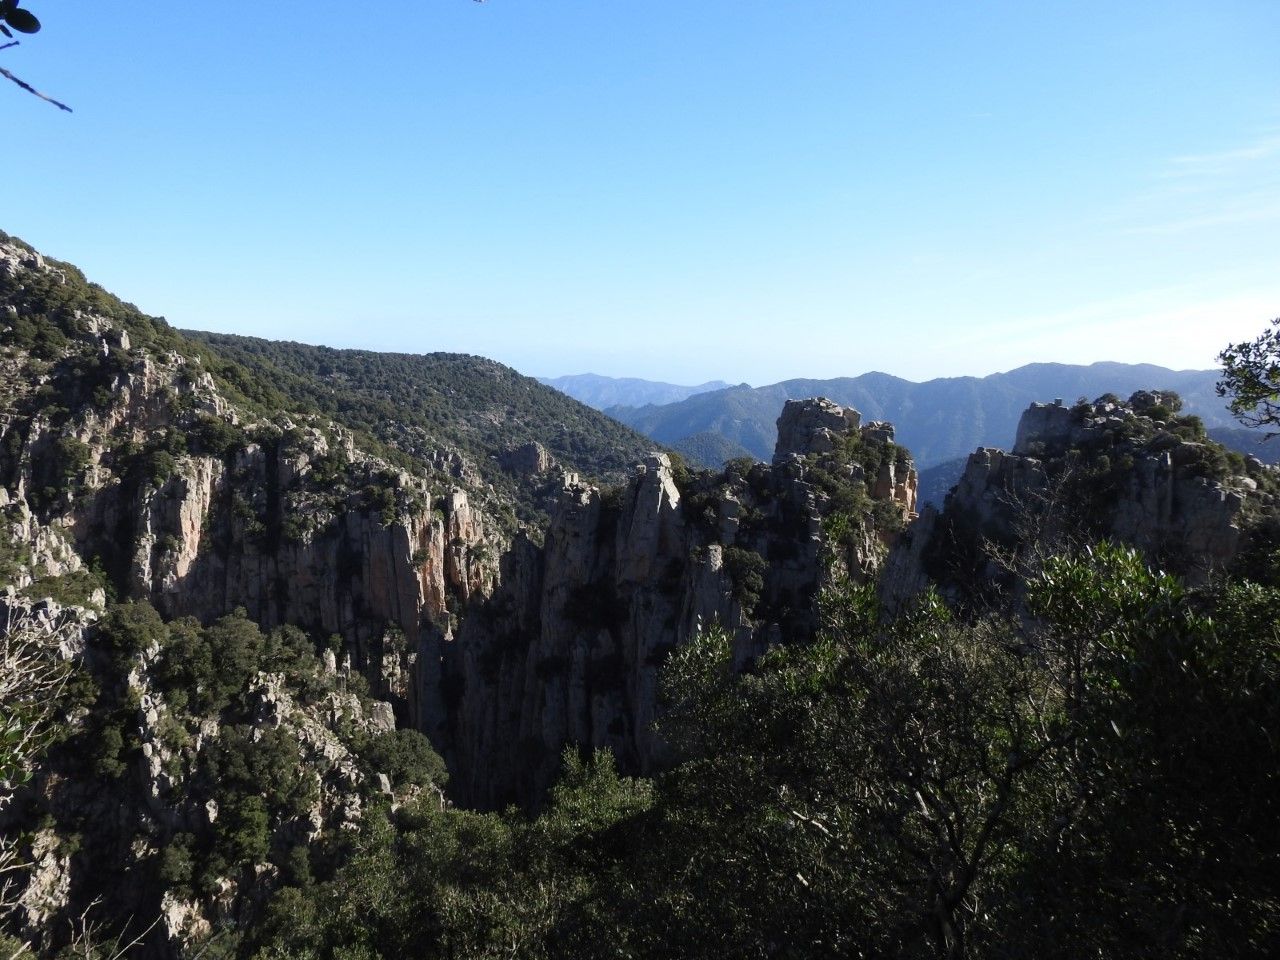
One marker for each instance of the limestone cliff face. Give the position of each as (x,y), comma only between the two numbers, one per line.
(501,649)
(1079,474)
(502,652)
(288,519)
(568,649)
(1168,501)
(248,533)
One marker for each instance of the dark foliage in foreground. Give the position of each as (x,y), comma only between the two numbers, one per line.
(1102,783)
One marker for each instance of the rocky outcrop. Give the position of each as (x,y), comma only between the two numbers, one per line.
(48,549)
(527,460)
(502,654)
(1079,474)
(501,649)
(292,522)
(569,648)
(812,426)
(163,800)
(46,894)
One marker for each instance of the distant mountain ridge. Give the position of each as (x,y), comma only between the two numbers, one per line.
(603,392)
(938,420)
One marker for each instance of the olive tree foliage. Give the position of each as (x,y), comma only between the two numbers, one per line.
(1251,378)
(14,16)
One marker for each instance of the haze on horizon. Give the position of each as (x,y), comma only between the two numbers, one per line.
(679,192)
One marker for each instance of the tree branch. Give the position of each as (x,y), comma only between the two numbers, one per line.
(32,90)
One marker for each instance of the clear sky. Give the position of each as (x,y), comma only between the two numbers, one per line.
(735,189)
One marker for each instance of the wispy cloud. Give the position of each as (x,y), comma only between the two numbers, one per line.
(1252,209)
(1224,161)
(1204,191)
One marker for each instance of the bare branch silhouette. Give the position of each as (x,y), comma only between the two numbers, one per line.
(32,90)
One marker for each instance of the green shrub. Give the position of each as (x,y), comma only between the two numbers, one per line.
(159,466)
(216,436)
(71,456)
(107,759)
(747,571)
(244,836)
(211,664)
(129,628)
(405,756)
(69,589)
(177,865)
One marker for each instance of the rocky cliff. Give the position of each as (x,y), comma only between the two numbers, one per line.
(148,471)
(568,648)
(1132,471)
(316,597)
(200,507)
(195,771)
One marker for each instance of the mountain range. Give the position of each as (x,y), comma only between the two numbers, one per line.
(603,392)
(938,420)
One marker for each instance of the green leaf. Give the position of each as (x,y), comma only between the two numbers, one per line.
(22,20)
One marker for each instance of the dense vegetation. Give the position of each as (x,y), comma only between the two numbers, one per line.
(242,736)
(1100,780)
(1090,769)
(419,403)
(709,449)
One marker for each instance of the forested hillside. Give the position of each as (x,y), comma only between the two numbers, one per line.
(282,677)
(423,403)
(451,413)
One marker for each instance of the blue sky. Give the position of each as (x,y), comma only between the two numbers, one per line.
(733,189)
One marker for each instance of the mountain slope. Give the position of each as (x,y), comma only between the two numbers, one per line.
(709,449)
(936,481)
(422,404)
(603,392)
(239,767)
(939,420)
(363,499)
(1250,442)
